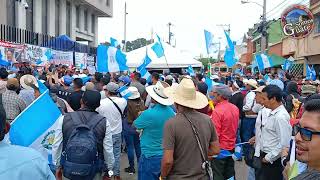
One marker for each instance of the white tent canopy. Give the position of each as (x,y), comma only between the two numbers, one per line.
(175,58)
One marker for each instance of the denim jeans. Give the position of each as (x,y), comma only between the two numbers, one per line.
(116,139)
(251,173)
(149,168)
(133,145)
(247,130)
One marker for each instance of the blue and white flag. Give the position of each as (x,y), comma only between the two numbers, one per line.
(35,126)
(158,48)
(311,73)
(3,62)
(264,61)
(110,59)
(267,78)
(124,92)
(208,81)
(145,63)
(209,41)
(42,87)
(190,71)
(288,64)
(145,74)
(229,56)
(114,42)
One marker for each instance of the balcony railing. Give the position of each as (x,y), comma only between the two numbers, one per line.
(22,36)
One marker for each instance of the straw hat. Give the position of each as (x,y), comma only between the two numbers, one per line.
(134,93)
(259,89)
(157,93)
(27,80)
(251,82)
(186,95)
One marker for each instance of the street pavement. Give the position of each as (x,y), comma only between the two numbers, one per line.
(241,170)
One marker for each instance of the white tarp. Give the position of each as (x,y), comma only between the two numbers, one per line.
(175,58)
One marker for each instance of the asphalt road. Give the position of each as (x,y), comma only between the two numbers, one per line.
(241,170)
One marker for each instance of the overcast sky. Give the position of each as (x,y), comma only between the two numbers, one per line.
(189,19)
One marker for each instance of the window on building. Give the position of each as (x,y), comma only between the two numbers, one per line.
(108,2)
(317,23)
(85,20)
(29,16)
(57,17)
(93,23)
(11,12)
(44,16)
(68,21)
(78,17)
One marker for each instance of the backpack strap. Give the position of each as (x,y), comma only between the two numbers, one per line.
(78,119)
(116,105)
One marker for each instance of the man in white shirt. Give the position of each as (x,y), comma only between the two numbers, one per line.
(113,107)
(275,135)
(89,102)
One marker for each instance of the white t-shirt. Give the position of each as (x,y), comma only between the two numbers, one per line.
(112,114)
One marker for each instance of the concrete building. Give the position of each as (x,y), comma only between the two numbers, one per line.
(76,18)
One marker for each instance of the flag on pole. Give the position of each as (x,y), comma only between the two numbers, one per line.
(145,74)
(311,73)
(158,48)
(110,59)
(114,42)
(124,92)
(263,61)
(229,56)
(209,41)
(145,63)
(190,71)
(35,126)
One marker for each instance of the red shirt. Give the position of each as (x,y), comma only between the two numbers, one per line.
(225,118)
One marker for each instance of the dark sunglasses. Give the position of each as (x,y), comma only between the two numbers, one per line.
(306,134)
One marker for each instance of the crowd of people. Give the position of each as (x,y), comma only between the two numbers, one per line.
(173,127)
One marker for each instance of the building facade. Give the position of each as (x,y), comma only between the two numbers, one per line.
(77,19)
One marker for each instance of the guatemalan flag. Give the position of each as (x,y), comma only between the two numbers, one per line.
(114,42)
(229,56)
(110,59)
(190,71)
(158,48)
(209,41)
(145,74)
(264,61)
(146,61)
(35,126)
(311,73)
(124,92)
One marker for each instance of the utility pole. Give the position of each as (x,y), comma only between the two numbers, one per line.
(125,27)
(225,25)
(264,29)
(169,25)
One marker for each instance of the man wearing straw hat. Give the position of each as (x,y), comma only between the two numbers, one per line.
(189,137)
(152,122)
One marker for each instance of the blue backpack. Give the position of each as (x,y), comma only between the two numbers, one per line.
(80,158)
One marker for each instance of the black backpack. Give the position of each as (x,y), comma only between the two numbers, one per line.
(80,158)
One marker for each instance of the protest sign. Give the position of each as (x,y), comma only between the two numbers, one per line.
(61,57)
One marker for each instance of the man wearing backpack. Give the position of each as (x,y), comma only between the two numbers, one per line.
(113,108)
(82,148)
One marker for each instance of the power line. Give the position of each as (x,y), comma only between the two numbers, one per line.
(276,7)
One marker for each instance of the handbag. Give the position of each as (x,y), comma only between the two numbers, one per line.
(206,164)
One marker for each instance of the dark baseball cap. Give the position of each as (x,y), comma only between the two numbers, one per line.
(91,99)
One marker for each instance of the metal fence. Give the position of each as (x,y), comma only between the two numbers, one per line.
(22,36)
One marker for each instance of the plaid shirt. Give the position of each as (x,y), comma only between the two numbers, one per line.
(13,104)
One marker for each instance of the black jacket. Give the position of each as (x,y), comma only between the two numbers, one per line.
(237,100)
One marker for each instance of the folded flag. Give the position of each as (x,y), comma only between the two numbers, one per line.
(311,73)
(190,71)
(209,41)
(124,92)
(264,61)
(114,42)
(35,126)
(229,56)
(110,59)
